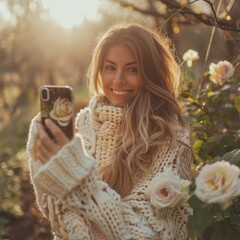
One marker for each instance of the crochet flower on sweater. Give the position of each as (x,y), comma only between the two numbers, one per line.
(79,205)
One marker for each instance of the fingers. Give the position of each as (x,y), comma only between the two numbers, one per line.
(46,141)
(46,146)
(43,154)
(56,132)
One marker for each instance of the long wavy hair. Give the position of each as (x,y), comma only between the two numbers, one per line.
(149,119)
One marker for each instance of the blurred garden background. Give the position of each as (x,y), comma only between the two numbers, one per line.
(42,42)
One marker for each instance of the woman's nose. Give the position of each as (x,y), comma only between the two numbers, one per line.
(119,77)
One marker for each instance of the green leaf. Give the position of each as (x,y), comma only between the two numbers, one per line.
(202,216)
(191,100)
(190,120)
(197,126)
(233,157)
(211,93)
(215,139)
(237,102)
(225,87)
(225,233)
(235,219)
(197,145)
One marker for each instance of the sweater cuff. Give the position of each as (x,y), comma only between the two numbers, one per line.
(32,137)
(65,170)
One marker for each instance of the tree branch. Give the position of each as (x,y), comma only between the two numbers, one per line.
(186,12)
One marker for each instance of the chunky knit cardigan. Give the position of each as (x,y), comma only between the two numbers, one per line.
(79,205)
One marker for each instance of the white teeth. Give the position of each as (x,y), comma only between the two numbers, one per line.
(120,92)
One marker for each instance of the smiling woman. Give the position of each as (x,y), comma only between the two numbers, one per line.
(71,12)
(96,185)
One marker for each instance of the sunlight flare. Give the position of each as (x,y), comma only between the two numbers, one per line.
(71,12)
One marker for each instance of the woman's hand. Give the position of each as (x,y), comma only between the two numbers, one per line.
(46,147)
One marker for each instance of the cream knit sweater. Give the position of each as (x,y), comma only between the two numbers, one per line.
(81,206)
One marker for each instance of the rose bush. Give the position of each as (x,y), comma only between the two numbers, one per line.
(212,108)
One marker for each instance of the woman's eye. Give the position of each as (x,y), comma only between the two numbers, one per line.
(109,68)
(133,69)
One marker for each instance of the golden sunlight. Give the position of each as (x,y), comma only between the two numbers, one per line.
(71,12)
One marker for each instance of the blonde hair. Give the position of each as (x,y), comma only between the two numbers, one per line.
(154,109)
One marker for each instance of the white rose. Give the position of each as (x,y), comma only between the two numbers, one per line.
(221,72)
(167,190)
(62,111)
(218,183)
(190,56)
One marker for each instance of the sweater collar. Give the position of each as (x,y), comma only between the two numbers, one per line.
(103,112)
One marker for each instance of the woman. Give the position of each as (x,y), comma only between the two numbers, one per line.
(96,186)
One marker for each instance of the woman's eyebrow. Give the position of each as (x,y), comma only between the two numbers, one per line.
(110,61)
(130,63)
(127,64)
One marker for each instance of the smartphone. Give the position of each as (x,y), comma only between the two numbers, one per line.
(57,103)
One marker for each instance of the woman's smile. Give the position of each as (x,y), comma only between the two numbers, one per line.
(120,92)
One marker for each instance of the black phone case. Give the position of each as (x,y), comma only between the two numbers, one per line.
(56,102)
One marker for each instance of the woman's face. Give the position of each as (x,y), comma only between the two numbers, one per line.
(120,78)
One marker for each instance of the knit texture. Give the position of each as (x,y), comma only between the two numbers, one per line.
(81,206)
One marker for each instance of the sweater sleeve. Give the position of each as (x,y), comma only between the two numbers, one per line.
(72,177)
(65,223)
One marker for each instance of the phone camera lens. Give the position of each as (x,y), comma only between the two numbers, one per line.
(45,94)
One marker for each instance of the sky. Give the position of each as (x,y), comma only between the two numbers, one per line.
(66,12)
(71,12)
(4,12)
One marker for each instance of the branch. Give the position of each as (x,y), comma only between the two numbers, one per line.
(186,12)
